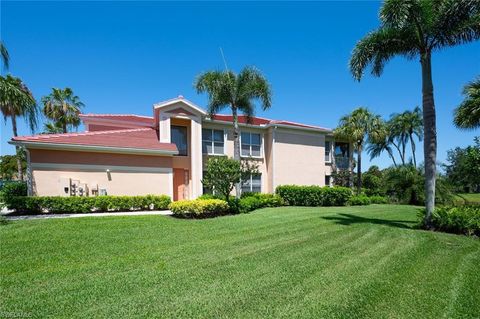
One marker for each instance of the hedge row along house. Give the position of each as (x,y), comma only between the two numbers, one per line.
(122,154)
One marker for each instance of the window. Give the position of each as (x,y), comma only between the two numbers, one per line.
(213,142)
(179,138)
(253,184)
(327,151)
(251,143)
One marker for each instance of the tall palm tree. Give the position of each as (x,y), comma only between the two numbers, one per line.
(63,108)
(237,92)
(405,126)
(467,115)
(16,100)
(4,54)
(356,127)
(381,142)
(416,28)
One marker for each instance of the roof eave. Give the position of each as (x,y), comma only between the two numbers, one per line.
(93,148)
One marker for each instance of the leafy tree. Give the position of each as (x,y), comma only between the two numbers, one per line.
(467,115)
(404,127)
(63,107)
(412,29)
(237,92)
(4,54)
(16,100)
(373,181)
(356,127)
(463,170)
(222,174)
(9,168)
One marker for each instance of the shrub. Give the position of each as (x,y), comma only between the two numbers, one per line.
(62,205)
(294,195)
(199,207)
(12,189)
(379,200)
(458,220)
(255,201)
(359,200)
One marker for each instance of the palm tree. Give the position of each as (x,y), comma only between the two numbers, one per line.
(416,28)
(16,100)
(237,92)
(355,128)
(53,128)
(467,115)
(63,108)
(404,127)
(4,54)
(380,142)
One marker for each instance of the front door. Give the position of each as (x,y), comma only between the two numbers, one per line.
(180,184)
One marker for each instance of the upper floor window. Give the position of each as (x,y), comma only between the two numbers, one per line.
(179,138)
(328,148)
(251,143)
(213,142)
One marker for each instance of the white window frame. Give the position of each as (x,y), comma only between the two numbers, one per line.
(329,160)
(213,141)
(261,144)
(251,184)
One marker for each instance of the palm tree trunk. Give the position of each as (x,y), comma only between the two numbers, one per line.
(359,168)
(399,152)
(17,149)
(413,150)
(236,147)
(392,157)
(430,142)
(64,127)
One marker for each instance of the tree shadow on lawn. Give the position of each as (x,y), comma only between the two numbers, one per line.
(349,219)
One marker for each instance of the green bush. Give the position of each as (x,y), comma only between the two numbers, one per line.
(13,189)
(199,207)
(254,201)
(379,200)
(63,205)
(294,195)
(359,200)
(458,220)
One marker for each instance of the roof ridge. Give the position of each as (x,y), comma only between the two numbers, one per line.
(48,136)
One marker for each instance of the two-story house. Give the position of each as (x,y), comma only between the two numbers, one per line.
(166,153)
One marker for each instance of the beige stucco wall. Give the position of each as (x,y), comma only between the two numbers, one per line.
(51,182)
(299,158)
(127,174)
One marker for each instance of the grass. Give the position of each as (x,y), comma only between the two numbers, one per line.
(468,198)
(346,262)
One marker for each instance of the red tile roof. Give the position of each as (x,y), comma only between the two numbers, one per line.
(120,117)
(263,121)
(141,139)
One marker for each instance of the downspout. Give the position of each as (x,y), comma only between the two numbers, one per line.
(29,174)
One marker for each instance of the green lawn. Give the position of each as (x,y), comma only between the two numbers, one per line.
(469,198)
(346,262)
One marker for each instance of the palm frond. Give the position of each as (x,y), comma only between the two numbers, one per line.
(467,115)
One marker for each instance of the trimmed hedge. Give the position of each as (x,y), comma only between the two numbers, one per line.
(64,205)
(199,207)
(359,200)
(456,219)
(252,201)
(294,195)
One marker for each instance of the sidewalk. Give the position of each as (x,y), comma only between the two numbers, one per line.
(45,216)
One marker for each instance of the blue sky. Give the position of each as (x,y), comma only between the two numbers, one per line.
(121,57)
